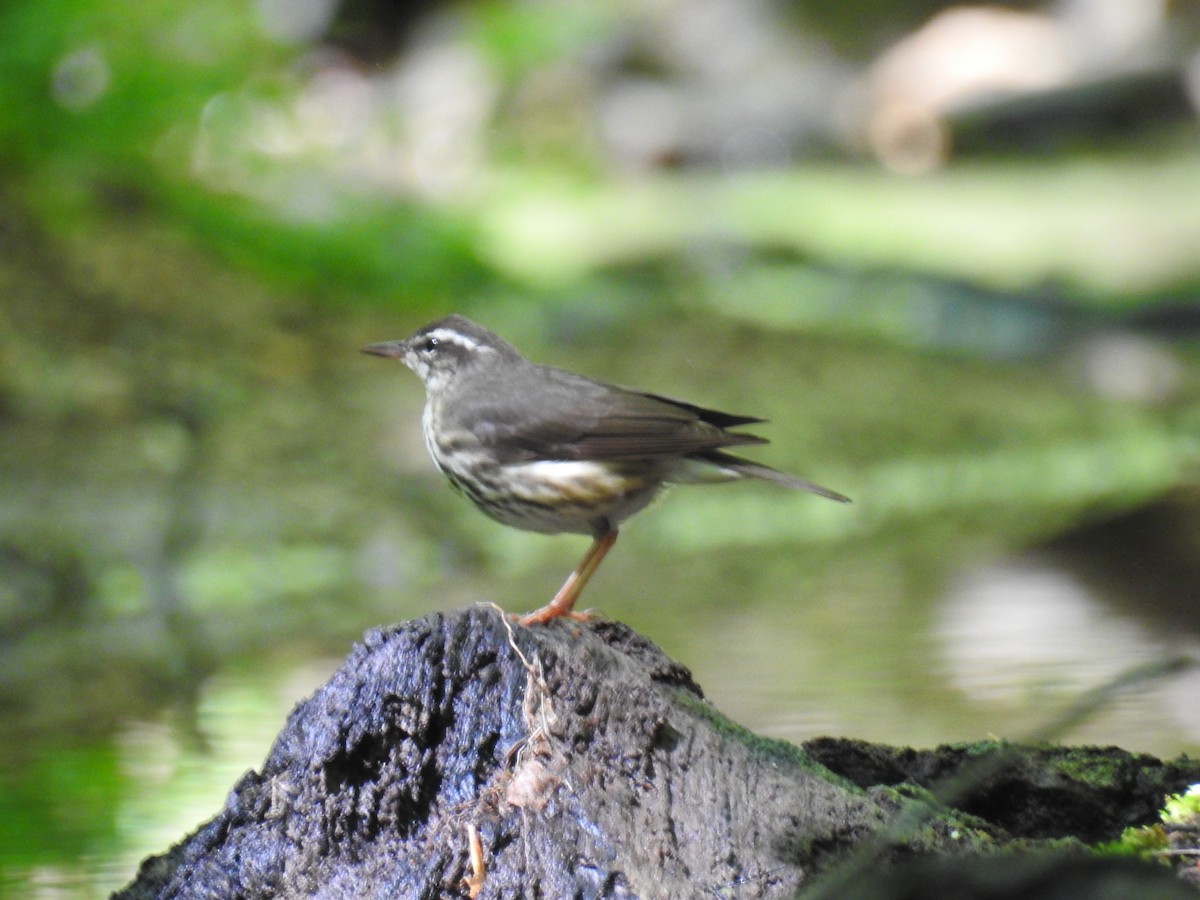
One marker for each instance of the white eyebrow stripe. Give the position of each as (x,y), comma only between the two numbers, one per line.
(450,336)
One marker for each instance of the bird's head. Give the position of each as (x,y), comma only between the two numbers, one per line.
(442,352)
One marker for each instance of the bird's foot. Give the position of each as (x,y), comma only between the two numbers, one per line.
(548,613)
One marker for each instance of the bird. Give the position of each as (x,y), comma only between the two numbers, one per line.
(547,450)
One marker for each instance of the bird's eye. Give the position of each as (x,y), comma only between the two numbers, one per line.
(431,344)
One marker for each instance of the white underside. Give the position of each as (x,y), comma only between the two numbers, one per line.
(586,481)
(574,479)
(588,473)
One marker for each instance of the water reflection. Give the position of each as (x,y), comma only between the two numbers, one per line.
(169,774)
(1024,628)
(1027,634)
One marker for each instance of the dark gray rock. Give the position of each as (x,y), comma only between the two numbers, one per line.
(587,762)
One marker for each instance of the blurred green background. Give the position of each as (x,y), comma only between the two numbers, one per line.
(951,253)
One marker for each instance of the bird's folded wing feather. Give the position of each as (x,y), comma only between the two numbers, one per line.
(577,418)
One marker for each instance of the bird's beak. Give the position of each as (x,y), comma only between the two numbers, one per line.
(390,349)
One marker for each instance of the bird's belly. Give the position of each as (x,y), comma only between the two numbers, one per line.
(555,496)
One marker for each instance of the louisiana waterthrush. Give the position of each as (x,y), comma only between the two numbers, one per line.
(546,450)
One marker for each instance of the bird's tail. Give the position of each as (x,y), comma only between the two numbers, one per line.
(747,469)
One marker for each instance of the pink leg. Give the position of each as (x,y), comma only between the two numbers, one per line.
(564,601)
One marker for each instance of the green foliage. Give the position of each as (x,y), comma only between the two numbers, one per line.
(519,37)
(1180,809)
(1150,841)
(108,107)
(1141,842)
(105,79)
(49,806)
(370,251)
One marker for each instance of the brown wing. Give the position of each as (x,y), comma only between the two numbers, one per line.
(548,413)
